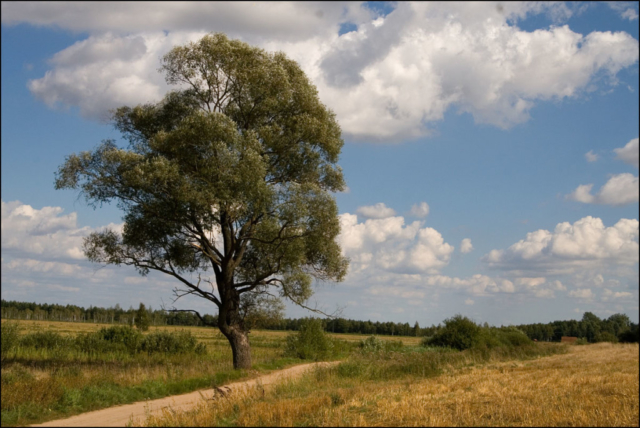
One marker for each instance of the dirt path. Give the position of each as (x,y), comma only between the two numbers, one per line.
(119,416)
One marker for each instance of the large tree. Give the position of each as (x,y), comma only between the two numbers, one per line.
(225,182)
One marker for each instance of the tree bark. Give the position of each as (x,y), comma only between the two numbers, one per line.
(239,341)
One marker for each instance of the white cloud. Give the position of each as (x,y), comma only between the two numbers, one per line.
(465,246)
(615,295)
(469,302)
(420,210)
(378,210)
(387,244)
(581,293)
(626,9)
(630,14)
(471,56)
(620,189)
(590,156)
(585,244)
(628,153)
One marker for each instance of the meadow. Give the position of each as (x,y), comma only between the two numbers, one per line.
(500,378)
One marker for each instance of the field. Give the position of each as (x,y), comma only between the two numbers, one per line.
(399,384)
(595,385)
(41,385)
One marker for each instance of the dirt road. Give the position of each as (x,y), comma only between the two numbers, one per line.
(119,416)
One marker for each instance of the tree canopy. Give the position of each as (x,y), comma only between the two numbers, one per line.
(231,173)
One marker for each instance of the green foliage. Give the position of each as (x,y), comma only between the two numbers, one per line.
(310,342)
(9,337)
(142,318)
(582,341)
(459,333)
(371,344)
(605,336)
(171,343)
(630,335)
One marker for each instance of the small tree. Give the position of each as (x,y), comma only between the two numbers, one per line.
(142,319)
(227,180)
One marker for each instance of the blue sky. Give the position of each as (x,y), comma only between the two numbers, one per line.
(490,119)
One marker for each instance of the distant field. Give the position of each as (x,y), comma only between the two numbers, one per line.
(593,385)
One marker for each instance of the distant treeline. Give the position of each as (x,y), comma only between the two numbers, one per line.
(591,328)
(617,327)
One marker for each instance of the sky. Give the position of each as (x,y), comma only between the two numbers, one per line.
(491,149)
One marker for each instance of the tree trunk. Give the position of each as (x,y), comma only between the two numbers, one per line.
(239,341)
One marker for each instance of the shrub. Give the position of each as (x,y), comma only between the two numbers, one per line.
(10,339)
(124,335)
(310,342)
(605,336)
(371,344)
(629,336)
(458,332)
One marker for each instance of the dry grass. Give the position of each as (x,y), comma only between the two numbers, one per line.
(595,385)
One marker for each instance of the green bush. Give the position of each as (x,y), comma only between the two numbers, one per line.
(10,337)
(458,332)
(371,344)
(630,336)
(310,342)
(181,342)
(605,336)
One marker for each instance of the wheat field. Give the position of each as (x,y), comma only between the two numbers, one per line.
(593,385)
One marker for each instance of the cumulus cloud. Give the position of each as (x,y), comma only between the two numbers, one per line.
(585,244)
(45,232)
(628,153)
(626,9)
(472,57)
(420,210)
(590,156)
(620,189)
(378,210)
(465,246)
(389,245)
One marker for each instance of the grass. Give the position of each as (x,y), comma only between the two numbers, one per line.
(46,384)
(594,385)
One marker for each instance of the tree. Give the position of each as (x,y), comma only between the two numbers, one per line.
(229,176)
(142,318)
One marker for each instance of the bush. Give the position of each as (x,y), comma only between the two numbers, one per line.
(171,343)
(10,336)
(122,335)
(630,336)
(371,344)
(605,336)
(458,332)
(310,342)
